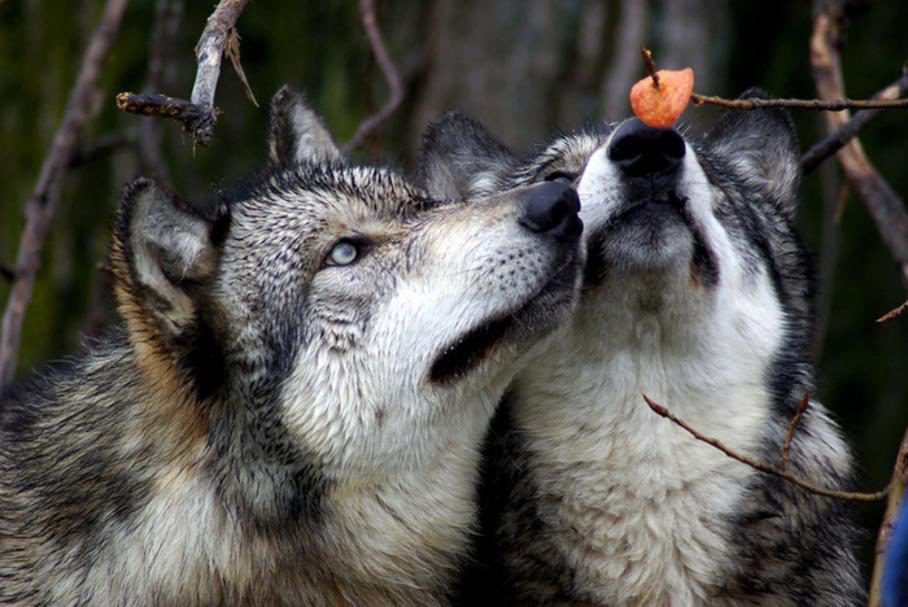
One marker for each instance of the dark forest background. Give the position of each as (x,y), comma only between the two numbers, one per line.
(527,68)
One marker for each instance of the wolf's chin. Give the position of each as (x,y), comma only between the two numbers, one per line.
(537,315)
(647,237)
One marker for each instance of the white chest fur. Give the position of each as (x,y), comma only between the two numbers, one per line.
(638,508)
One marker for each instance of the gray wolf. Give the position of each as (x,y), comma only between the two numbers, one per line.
(294,410)
(698,293)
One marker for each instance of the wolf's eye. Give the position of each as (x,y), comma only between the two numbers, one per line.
(568,178)
(342,254)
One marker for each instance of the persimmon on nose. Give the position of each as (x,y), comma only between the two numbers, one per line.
(661,107)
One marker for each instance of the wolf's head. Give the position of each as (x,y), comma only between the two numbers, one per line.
(693,233)
(339,322)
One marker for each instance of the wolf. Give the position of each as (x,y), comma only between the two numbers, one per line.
(294,410)
(698,293)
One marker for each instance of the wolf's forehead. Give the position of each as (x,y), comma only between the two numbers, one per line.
(308,198)
(569,154)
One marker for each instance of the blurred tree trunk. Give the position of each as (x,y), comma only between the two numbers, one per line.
(498,61)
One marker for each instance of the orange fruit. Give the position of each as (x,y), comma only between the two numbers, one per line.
(660,108)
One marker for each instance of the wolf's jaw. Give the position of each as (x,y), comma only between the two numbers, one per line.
(471,349)
(667,252)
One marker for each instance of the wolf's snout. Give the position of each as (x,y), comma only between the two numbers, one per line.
(641,150)
(552,208)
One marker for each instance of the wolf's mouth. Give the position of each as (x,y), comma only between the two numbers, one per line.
(472,348)
(671,207)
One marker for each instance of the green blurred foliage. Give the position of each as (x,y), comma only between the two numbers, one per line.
(320,47)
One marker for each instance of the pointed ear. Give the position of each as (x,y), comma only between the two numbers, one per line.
(460,159)
(164,251)
(297,134)
(762,146)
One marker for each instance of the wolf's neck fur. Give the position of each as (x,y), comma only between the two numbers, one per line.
(396,539)
(638,506)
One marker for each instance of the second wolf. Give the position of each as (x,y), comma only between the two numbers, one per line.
(697,292)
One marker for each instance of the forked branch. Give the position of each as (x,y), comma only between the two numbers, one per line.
(762,466)
(198,115)
(392,77)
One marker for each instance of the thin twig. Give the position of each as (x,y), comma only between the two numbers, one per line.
(39,209)
(792,426)
(392,77)
(836,140)
(894,313)
(650,64)
(191,115)
(100,147)
(883,204)
(828,105)
(764,467)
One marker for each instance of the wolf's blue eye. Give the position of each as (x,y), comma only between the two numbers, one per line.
(342,254)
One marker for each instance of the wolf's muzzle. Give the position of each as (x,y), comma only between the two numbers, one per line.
(642,151)
(552,209)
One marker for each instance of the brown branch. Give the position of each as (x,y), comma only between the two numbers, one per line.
(883,204)
(764,467)
(893,503)
(392,77)
(650,65)
(192,116)
(100,147)
(894,313)
(792,426)
(198,115)
(209,52)
(829,105)
(836,140)
(39,209)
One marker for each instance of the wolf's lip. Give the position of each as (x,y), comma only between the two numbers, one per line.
(469,350)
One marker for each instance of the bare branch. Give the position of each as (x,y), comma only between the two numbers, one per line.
(40,207)
(198,115)
(209,52)
(836,140)
(828,105)
(883,204)
(792,426)
(895,312)
(650,65)
(100,147)
(392,77)
(192,116)
(764,467)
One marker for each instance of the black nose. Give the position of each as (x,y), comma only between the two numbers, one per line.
(551,208)
(642,150)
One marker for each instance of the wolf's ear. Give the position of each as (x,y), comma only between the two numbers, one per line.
(164,250)
(762,146)
(460,159)
(297,134)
